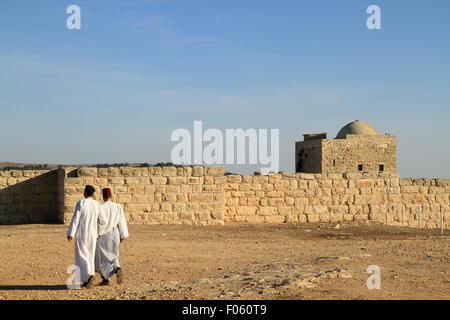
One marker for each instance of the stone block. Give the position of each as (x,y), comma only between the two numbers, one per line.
(140,172)
(197,171)
(116,181)
(113,172)
(169,171)
(220,180)
(126,171)
(274,219)
(285,210)
(214,171)
(234,178)
(312,218)
(158,180)
(246,210)
(195,180)
(124,198)
(155,171)
(16,173)
(306,176)
(177,180)
(200,197)
(102,172)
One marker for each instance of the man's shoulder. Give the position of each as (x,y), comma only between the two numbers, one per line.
(106,204)
(92,202)
(81,205)
(111,204)
(115,205)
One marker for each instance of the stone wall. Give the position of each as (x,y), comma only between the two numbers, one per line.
(207,196)
(154,195)
(30,196)
(309,198)
(308,156)
(344,155)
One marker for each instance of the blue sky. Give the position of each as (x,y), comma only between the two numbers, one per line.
(116,89)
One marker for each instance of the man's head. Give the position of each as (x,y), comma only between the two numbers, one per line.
(89,191)
(107,194)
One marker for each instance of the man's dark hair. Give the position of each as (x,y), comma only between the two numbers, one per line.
(89,190)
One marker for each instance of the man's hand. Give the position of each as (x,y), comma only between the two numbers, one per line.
(122,240)
(69,238)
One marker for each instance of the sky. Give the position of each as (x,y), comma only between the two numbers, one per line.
(115,90)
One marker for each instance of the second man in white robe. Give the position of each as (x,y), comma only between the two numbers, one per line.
(113,230)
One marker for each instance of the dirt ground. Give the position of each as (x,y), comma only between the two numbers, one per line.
(236,262)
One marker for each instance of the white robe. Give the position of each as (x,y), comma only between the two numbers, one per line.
(113,227)
(84,228)
(112,215)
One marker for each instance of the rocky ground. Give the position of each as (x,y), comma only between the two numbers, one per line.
(236,262)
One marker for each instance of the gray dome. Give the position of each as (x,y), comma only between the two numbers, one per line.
(357,127)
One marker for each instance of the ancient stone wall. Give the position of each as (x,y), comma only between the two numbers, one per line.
(30,196)
(154,195)
(355,153)
(309,198)
(207,196)
(344,155)
(308,156)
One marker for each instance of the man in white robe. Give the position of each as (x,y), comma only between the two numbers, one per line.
(113,230)
(84,227)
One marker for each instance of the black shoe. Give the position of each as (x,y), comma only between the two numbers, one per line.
(105,282)
(119,273)
(90,282)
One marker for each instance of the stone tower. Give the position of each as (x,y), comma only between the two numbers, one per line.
(357,148)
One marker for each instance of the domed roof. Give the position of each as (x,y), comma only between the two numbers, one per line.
(357,127)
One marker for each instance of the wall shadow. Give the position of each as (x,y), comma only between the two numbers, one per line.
(35,200)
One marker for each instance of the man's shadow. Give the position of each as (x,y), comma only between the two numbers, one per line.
(34,287)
